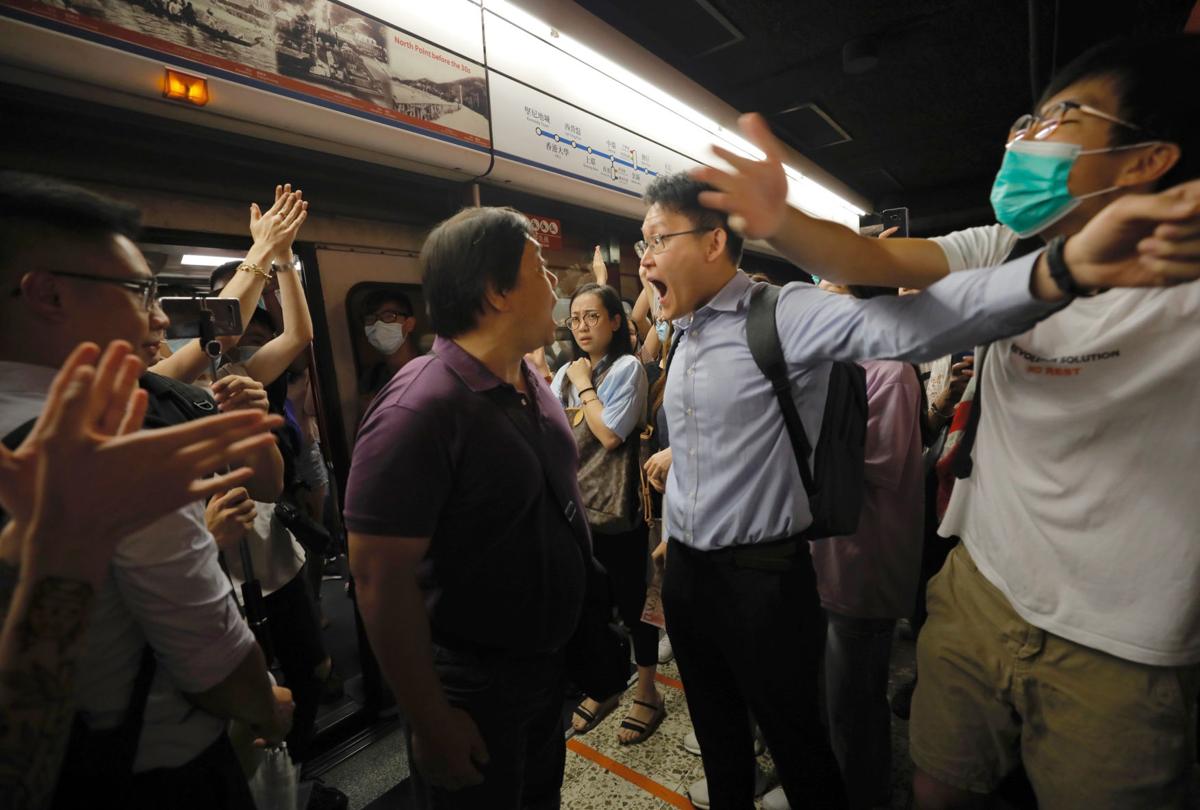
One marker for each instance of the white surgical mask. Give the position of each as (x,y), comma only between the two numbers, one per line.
(387,338)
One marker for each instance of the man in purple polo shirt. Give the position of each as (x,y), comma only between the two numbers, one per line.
(469,575)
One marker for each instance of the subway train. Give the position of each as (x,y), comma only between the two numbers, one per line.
(394,115)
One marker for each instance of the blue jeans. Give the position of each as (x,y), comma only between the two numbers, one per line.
(857,652)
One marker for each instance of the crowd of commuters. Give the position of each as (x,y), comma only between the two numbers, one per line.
(163,510)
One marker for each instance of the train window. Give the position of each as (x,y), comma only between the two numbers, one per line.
(388,327)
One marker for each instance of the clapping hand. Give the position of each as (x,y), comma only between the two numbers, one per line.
(88,475)
(276,228)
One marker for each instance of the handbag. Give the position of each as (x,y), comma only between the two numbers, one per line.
(598,652)
(608,479)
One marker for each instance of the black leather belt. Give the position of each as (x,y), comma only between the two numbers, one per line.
(773,555)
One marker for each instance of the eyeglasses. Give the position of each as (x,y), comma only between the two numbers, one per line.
(657,243)
(1040,127)
(147,288)
(387,316)
(591,318)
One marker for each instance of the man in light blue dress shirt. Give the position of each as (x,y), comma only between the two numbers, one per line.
(739,593)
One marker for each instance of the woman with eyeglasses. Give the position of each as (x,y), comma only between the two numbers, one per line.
(604,393)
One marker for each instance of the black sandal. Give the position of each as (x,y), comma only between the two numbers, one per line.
(592,720)
(644,730)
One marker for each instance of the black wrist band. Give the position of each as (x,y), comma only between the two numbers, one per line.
(584,391)
(1061,273)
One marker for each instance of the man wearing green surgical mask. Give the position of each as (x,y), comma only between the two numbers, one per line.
(1064,630)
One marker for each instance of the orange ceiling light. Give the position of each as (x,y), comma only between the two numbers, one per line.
(182,87)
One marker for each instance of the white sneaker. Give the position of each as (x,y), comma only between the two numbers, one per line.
(692,745)
(698,791)
(775,800)
(665,653)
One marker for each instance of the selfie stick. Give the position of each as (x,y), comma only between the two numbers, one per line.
(252,595)
(252,602)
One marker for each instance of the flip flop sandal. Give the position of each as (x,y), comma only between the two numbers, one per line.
(592,720)
(644,730)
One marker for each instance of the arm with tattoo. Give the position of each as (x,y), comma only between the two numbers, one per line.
(40,644)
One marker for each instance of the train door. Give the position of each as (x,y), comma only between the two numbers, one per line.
(354,696)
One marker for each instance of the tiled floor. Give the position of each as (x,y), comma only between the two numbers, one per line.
(601,773)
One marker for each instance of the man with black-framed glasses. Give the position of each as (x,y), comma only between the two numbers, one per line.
(1064,630)
(146,289)
(168,660)
(389,323)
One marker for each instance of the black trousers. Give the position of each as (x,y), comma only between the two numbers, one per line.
(749,641)
(517,705)
(626,557)
(299,648)
(214,779)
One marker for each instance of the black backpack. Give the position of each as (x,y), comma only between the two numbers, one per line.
(836,482)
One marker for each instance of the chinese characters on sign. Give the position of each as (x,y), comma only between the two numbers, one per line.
(547,231)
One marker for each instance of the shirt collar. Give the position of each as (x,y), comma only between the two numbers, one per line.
(730,298)
(474,374)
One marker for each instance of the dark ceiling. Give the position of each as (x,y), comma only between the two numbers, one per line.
(926,123)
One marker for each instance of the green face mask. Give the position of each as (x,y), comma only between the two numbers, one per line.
(1030,192)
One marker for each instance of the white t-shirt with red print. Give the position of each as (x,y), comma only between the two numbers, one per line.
(1083,507)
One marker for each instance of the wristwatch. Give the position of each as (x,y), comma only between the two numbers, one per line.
(283,267)
(1061,273)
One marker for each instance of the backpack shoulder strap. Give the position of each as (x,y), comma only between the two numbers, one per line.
(188,401)
(762,334)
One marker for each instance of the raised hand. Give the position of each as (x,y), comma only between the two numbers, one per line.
(754,192)
(599,268)
(87,476)
(275,229)
(1140,240)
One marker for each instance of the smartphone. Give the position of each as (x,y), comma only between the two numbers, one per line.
(895,218)
(187,313)
(958,357)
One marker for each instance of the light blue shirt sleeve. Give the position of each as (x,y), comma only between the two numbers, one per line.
(961,310)
(734,477)
(623,392)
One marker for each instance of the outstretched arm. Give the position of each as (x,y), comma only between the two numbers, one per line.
(754,194)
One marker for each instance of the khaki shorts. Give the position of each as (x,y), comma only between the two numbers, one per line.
(1092,730)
